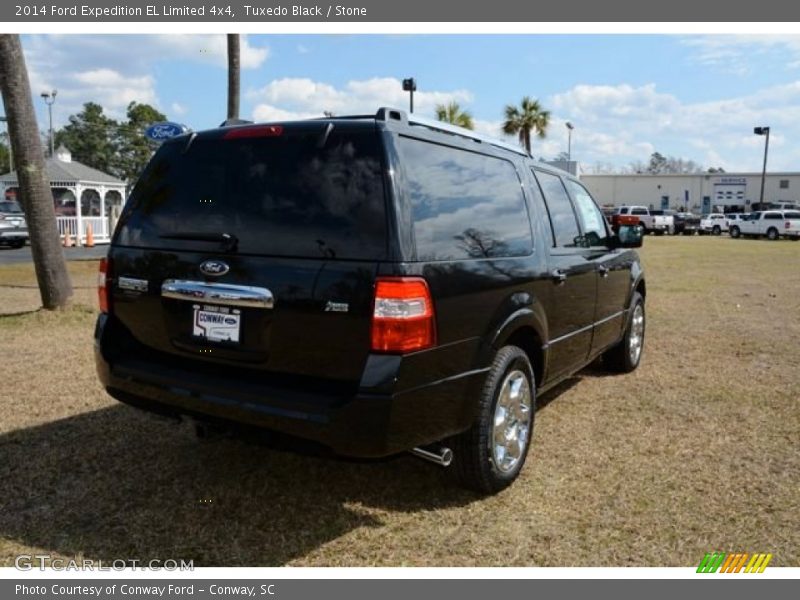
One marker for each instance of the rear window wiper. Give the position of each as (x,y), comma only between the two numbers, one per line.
(228,240)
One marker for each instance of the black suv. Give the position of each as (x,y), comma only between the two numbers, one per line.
(375,283)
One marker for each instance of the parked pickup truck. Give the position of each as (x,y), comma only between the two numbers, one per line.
(658,224)
(714,223)
(686,224)
(771,223)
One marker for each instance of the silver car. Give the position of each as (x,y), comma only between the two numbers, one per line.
(13,228)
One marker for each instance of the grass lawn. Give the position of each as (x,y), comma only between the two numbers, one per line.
(698,450)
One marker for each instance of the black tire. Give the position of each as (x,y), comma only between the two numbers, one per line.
(474,462)
(772,234)
(618,358)
(735,233)
(716,230)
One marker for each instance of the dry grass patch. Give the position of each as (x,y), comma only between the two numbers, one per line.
(698,450)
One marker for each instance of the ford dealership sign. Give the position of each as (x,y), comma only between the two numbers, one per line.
(163,131)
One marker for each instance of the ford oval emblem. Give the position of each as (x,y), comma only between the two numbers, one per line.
(163,131)
(214,268)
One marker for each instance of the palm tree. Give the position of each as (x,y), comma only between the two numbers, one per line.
(233,75)
(526,119)
(55,287)
(452,113)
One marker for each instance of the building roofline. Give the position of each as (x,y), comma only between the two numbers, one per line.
(731,174)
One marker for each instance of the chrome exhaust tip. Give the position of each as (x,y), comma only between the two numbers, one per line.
(441,456)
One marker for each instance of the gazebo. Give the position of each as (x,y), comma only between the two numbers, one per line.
(84,197)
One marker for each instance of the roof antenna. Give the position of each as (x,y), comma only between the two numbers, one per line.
(323,139)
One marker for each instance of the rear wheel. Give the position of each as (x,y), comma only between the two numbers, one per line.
(735,233)
(490,455)
(772,234)
(626,355)
(716,230)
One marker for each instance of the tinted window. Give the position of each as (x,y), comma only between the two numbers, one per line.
(464,205)
(639,211)
(592,221)
(289,195)
(10,207)
(559,206)
(773,216)
(791,215)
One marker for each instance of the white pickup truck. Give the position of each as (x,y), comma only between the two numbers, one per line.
(715,224)
(658,224)
(772,223)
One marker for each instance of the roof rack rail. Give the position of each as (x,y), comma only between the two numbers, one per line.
(235,121)
(394,114)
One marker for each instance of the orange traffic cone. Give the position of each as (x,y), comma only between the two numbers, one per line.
(67,240)
(89,236)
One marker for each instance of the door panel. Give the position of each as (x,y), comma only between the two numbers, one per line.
(571,311)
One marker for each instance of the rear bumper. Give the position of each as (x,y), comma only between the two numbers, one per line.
(351,422)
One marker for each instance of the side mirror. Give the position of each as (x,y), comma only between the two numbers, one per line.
(630,236)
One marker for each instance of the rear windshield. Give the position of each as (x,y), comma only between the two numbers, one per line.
(296,194)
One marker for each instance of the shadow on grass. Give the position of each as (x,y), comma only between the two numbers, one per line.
(117,483)
(21,313)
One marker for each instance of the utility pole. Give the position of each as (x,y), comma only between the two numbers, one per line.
(50,99)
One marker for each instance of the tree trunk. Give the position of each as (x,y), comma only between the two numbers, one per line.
(35,196)
(233,75)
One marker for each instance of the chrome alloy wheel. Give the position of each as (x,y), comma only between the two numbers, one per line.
(636,337)
(512,420)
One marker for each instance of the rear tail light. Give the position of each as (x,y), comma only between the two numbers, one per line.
(403,319)
(104,285)
(788,225)
(253,132)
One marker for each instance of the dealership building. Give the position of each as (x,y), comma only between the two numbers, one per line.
(699,193)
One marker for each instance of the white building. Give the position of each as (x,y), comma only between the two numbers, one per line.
(700,193)
(84,197)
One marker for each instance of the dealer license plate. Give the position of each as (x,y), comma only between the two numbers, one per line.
(217,323)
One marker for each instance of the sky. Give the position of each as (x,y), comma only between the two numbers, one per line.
(693,97)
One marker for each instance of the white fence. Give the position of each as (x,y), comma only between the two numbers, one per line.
(99,227)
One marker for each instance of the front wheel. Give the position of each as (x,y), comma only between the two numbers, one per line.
(626,355)
(735,233)
(772,234)
(490,455)
(716,230)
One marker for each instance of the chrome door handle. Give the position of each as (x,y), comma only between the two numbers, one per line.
(217,293)
(558,276)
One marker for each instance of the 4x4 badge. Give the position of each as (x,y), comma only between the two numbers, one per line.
(214,268)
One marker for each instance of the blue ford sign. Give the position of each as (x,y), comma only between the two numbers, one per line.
(163,131)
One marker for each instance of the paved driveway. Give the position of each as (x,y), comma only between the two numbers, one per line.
(10,256)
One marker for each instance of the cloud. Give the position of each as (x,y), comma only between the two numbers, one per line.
(104,69)
(625,123)
(301,49)
(736,53)
(178,109)
(288,98)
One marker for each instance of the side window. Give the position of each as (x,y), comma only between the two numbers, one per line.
(559,206)
(773,216)
(639,211)
(623,211)
(594,227)
(463,204)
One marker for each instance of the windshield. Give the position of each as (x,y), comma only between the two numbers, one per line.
(10,207)
(300,193)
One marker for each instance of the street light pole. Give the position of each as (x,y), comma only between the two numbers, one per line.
(49,99)
(570,127)
(765,132)
(410,85)
(10,149)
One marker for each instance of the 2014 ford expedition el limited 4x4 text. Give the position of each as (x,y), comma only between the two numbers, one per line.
(376,284)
